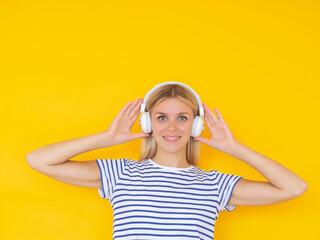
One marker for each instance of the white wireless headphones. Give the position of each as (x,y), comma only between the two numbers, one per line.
(145,121)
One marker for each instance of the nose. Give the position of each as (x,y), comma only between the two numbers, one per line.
(171,124)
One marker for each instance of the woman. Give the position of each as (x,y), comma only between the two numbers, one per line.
(164,195)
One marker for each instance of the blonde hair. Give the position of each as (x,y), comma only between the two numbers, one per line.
(148,144)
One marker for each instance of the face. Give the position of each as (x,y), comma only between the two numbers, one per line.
(172,118)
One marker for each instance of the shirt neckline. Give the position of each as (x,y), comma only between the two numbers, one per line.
(168,168)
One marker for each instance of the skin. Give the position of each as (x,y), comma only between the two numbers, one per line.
(281,185)
(171,123)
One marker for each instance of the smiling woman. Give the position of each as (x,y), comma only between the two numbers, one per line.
(164,195)
(172,110)
(171,128)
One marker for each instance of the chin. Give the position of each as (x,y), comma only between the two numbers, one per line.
(173,148)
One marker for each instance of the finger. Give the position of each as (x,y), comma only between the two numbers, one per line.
(219,114)
(211,126)
(209,121)
(140,135)
(124,109)
(210,113)
(202,140)
(135,110)
(131,108)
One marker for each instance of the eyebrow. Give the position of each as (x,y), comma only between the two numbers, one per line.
(177,113)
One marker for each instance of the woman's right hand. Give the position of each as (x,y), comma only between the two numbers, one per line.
(120,128)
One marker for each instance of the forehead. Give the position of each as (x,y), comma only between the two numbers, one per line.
(172,106)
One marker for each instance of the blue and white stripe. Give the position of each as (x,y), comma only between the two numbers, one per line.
(152,201)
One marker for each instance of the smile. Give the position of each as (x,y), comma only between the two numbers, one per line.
(171,139)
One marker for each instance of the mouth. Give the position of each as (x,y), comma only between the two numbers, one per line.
(171,138)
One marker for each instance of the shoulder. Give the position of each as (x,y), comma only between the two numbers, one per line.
(203,174)
(135,164)
(214,175)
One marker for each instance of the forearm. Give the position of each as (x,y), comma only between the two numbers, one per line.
(60,152)
(274,172)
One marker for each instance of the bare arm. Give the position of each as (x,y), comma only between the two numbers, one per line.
(61,152)
(117,133)
(53,160)
(282,184)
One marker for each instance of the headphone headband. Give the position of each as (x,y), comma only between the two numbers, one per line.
(143,105)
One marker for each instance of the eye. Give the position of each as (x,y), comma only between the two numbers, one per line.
(184,117)
(160,117)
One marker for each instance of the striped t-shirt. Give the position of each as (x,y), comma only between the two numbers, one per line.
(155,202)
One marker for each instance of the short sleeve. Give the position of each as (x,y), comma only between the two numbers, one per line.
(110,172)
(226,184)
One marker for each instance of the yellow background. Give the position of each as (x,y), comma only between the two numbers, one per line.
(68,67)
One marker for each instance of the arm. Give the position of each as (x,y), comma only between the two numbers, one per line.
(282,183)
(60,152)
(117,133)
(53,160)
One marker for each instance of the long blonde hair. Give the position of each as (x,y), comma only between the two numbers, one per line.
(148,144)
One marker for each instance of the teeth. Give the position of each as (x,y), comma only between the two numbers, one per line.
(172,137)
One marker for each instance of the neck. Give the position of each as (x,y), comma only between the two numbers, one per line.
(174,159)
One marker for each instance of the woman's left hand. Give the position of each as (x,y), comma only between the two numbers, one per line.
(221,136)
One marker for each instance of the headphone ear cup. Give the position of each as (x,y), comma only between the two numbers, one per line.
(145,122)
(197,127)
